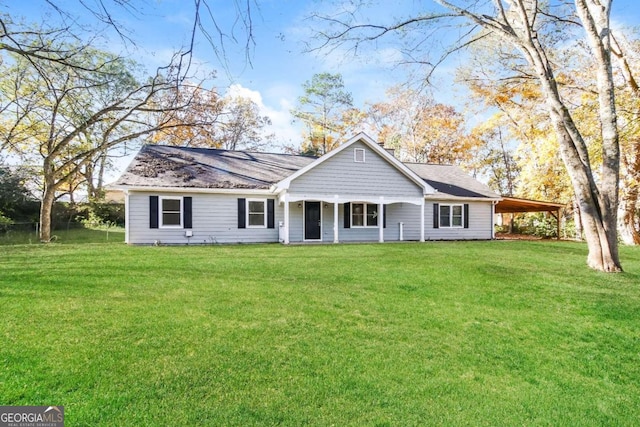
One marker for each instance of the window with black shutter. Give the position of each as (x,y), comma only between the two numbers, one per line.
(153,211)
(242,213)
(187,203)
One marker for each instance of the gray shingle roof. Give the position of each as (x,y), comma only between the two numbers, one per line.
(451,180)
(182,167)
(168,166)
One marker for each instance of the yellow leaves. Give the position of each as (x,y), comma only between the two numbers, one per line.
(421,129)
(190,122)
(501,98)
(542,172)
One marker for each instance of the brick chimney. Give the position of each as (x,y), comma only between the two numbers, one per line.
(389,150)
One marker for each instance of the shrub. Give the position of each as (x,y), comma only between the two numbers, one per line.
(538,224)
(5,223)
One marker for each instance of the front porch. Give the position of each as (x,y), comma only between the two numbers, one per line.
(335,219)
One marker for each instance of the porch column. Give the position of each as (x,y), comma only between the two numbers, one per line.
(286,219)
(422,221)
(381,222)
(335,221)
(127,224)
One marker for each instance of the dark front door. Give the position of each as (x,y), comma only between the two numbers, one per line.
(311,220)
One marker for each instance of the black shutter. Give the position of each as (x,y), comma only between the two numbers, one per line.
(384,216)
(153,211)
(271,223)
(347,215)
(436,215)
(466,215)
(242,213)
(187,203)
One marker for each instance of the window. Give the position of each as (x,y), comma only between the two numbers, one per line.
(456,216)
(257,213)
(171,212)
(358,155)
(451,216)
(357,215)
(372,215)
(364,215)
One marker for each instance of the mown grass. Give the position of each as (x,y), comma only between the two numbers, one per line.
(458,333)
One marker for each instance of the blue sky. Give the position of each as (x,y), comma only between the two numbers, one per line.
(279,65)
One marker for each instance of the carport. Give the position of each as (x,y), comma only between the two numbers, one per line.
(512,205)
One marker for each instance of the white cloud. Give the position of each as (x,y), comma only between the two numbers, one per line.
(286,133)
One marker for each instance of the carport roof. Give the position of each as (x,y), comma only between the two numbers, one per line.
(515,205)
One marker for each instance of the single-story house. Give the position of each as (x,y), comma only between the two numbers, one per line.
(358,192)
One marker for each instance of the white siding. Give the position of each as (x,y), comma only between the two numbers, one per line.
(215,220)
(409,215)
(480,223)
(296,222)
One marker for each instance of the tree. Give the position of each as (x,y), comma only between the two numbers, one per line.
(321,109)
(528,27)
(495,158)
(624,52)
(242,126)
(60,24)
(519,116)
(420,129)
(231,122)
(520,101)
(206,110)
(64,116)
(13,192)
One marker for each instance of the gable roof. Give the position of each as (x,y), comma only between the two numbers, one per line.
(451,181)
(373,145)
(182,167)
(161,166)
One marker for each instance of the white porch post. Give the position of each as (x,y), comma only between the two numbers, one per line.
(381,222)
(286,219)
(335,221)
(127,226)
(422,221)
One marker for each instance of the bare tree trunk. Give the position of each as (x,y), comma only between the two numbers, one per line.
(72,197)
(99,193)
(629,192)
(599,224)
(88,176)
(507,164)
(595,17)
(598,207)
(627,218)
(577,220)
(46,207)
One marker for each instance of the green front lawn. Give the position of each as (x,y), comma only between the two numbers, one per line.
(459,333)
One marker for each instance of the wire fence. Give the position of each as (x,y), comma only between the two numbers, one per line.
(63,232)
(34,227)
